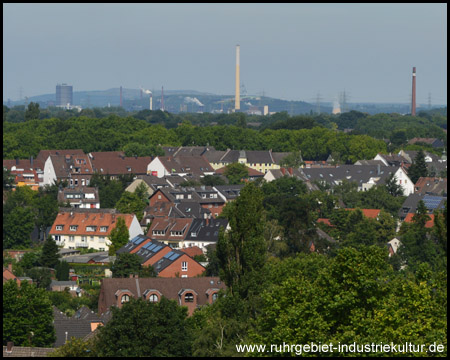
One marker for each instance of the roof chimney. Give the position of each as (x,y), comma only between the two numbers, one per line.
(283,170)
(290,171)
(9,346)
(31,161)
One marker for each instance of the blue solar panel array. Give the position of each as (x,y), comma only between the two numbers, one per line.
(172,256)
(432,202)
(138,240)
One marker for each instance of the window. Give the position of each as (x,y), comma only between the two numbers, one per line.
(103,228)
(184,266)
(73,227)
(71,238)
(102,249)
(91,228)
(125,298)
(59,227)
(57,237)
(101,239)
(83,238)
(214,296)
(189,297)
(153,298)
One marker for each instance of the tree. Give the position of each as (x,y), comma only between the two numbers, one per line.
(392,187)
(119,236)
(242,250)
(294,159)
(8,179)
(27,315)
(418,168)
(235,172)
(353,297)
(50,253)
(142,328)
(32,112)
(42,277)
(131,203)
(127,264)
(212,180)
(62,270)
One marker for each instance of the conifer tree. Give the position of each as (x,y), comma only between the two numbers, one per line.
(50,254)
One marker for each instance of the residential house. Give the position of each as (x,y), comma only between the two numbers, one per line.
(431,186)
(393,246)
(9,275)
(25,351)
(252,173)
(28,171)
(190,292)
(80,197)
(431,202)
(369,213)
(73,166)
(435,164)
(204,232)
(166,261)
(180,165)
(428,224)
(434,142)
(391,159)
(100,257)
(290,172)
(74,290)
(115,163)
(89,228)
(365,176)
(229,192)
(170,231)
(80,325)
(207,197)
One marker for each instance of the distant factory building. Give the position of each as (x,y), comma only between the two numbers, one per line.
(64,94)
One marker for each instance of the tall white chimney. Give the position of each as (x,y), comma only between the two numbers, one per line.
(237,102)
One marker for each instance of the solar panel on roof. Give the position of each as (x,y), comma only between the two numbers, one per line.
(135,238)
(138,241)
(174,256)
(152,247)
(148,246)
(156,249)
(168,255)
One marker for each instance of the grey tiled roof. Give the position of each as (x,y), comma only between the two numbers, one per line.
(24,351)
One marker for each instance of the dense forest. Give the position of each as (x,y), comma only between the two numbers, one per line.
(27,131)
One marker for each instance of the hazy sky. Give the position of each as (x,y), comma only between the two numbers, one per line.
(289,51)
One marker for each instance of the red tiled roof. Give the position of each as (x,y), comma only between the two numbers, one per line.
(23,164)
(325,221)
(192,251)
(115,163)
(369,213)
(83,219)
(429,223)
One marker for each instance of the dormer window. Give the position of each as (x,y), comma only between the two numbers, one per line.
(73,227)
(189,297)
(59,227)
(103,228)
(91,228)
(125,298)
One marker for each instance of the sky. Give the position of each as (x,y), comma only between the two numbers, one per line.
(288,51)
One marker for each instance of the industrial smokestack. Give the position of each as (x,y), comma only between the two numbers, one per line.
(151,100)
(413,98)
(237,102)
(121,103)
(162,98)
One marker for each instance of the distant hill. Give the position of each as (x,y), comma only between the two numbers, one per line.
(176,101)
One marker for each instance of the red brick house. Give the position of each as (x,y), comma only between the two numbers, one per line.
(191,292)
